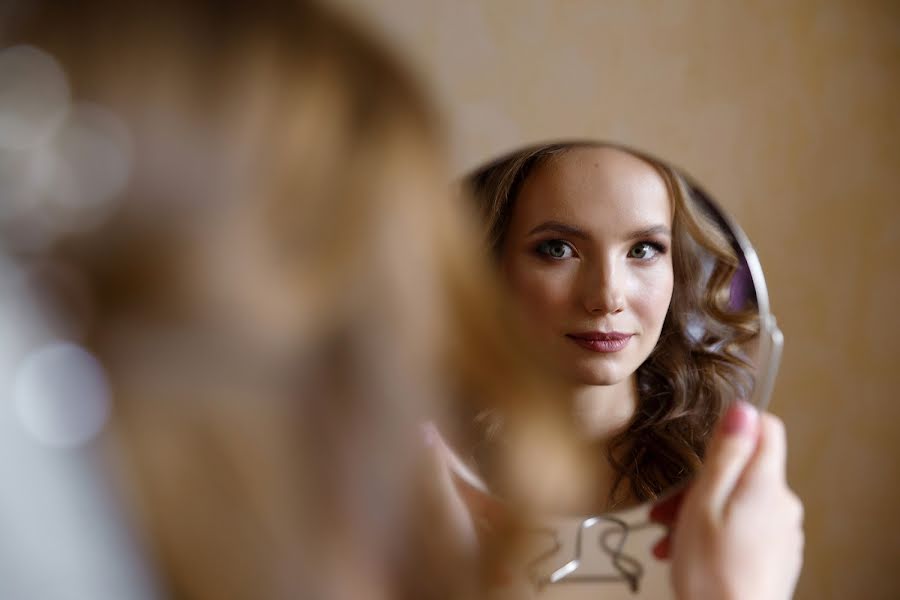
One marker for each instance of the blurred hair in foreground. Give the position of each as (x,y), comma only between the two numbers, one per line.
(277,282)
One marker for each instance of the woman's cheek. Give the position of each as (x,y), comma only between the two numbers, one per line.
(654,294)
(543,293)
(663,299)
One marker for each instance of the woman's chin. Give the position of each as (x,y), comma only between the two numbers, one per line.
(603,375)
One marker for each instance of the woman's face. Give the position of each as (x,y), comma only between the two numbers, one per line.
(588,254)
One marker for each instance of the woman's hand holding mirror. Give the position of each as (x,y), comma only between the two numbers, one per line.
(736,531)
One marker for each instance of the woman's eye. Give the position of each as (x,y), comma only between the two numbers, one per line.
(555,249)
(644,251)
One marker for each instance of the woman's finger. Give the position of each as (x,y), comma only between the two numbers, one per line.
(731,448)
(768,462)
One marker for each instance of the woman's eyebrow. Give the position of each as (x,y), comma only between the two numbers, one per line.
(560,227)
(650,231)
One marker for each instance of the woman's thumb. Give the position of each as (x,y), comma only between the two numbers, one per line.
(727,455)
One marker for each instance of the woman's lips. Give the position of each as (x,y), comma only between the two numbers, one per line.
(601,342)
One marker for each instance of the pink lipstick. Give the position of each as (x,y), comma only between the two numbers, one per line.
(601,342)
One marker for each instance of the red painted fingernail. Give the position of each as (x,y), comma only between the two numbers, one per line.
(740,418)
(662,548)
(665,511)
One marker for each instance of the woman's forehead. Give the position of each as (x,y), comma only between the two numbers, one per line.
(596,186)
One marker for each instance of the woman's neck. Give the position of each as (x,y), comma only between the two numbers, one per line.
(605,410)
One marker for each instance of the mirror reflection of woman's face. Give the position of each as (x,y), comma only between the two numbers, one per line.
(588,253)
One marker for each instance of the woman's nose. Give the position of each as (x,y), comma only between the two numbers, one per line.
(603,290)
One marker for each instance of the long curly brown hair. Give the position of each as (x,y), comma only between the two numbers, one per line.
(284,292)
(699,364)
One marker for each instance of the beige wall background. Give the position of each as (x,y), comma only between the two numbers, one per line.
(788,113)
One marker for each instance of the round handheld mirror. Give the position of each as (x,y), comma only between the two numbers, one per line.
(649,303)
